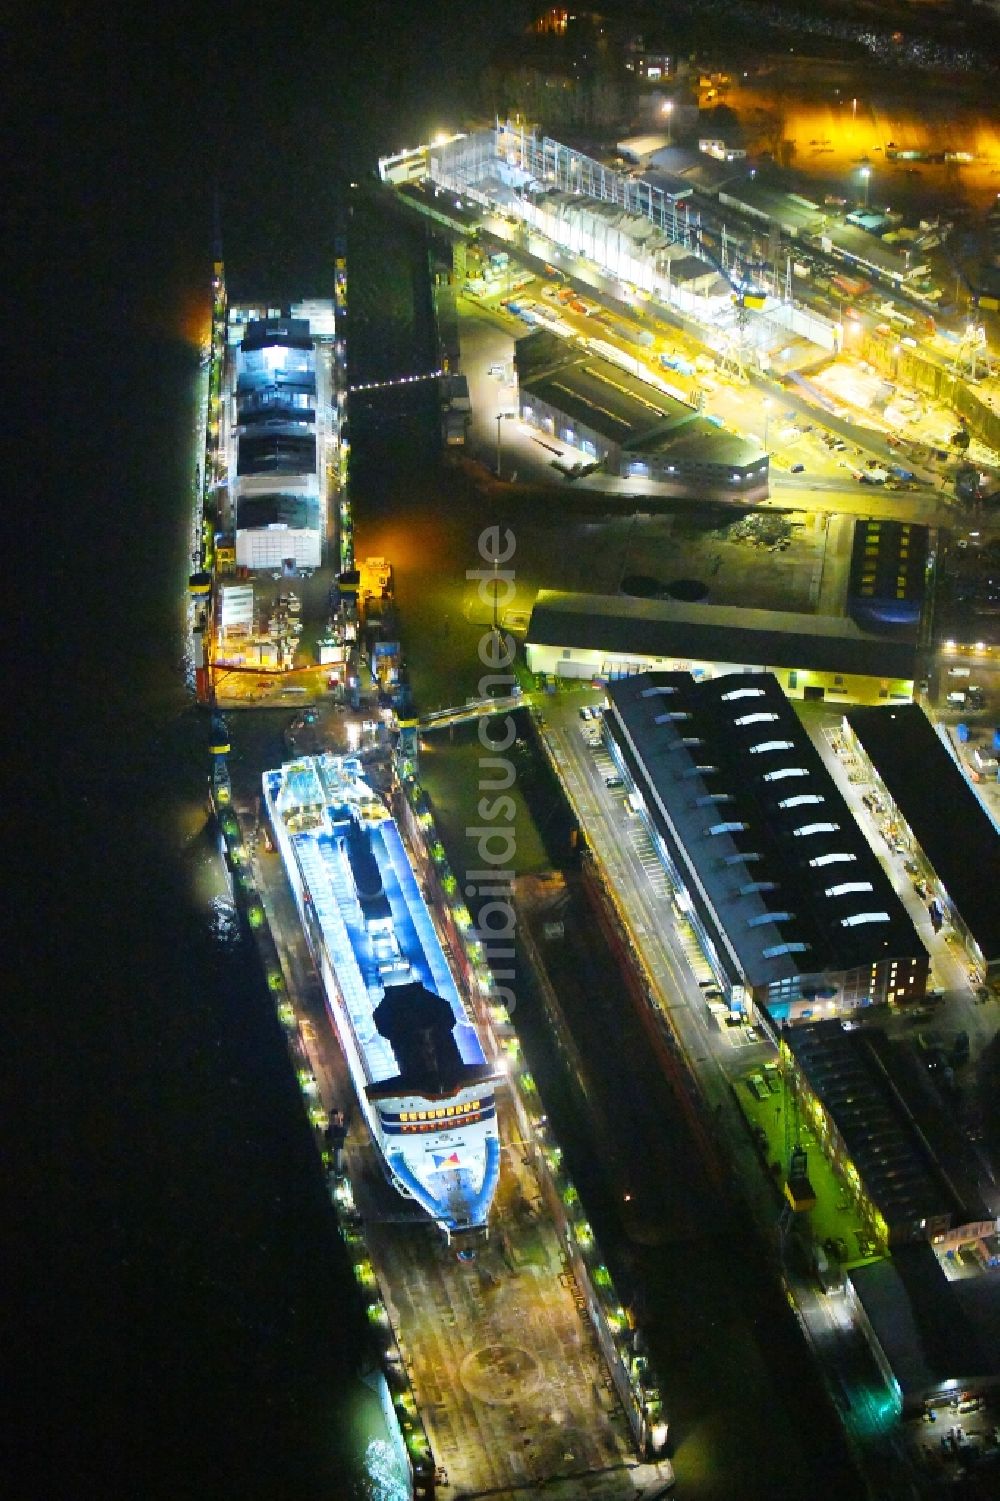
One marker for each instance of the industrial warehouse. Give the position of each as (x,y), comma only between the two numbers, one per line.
(793,911)
(907,1167)
(939,820)
(630,427)
(886,1132)
(611,636)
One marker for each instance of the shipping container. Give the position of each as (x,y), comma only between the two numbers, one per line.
(851,286)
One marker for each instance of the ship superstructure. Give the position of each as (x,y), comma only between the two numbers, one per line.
(419,1069)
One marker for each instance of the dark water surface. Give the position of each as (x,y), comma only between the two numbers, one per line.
(180,1322)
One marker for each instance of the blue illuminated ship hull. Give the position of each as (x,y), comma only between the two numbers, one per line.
(422,1078)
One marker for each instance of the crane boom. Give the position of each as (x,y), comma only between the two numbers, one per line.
(745,295)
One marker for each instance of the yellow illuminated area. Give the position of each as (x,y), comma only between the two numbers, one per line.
(554,21)
(442,1113)
(835,134)
(843,687)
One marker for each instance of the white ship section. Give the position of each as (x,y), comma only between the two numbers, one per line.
(419,1069)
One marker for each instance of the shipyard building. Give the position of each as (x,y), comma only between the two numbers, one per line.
(888,1133)
(609,636)
(915,1179)
(939,821)
(629,426)
(792,910)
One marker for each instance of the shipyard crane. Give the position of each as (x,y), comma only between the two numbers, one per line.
(746,296)
(973,346)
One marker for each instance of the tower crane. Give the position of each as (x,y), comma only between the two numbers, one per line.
(746,295)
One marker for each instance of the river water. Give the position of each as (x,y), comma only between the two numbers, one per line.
(182,1321)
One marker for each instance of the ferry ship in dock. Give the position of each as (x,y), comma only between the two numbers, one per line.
(421,1076)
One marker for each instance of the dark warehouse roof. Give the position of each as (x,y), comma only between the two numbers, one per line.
(881,1139)
(715,633)
(728,769)
(947,819)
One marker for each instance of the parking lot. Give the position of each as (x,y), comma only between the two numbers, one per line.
(955,1436)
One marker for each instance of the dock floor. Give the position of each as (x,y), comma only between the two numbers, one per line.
(503,1361)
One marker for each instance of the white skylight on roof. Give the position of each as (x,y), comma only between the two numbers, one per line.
(771,745)
(845,886)
(743,693)
(785,771)
(761,718)
(816,828)
(784,948)
(733,827)
(839,858)
(800,799)
(864,917)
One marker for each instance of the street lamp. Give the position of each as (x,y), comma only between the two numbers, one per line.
(766,404)
(866,173)
(501,417)
(668,109)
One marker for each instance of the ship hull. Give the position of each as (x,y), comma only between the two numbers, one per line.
(440,1147)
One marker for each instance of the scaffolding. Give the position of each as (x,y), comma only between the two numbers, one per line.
(510,169)
(523,160)
(553,165)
